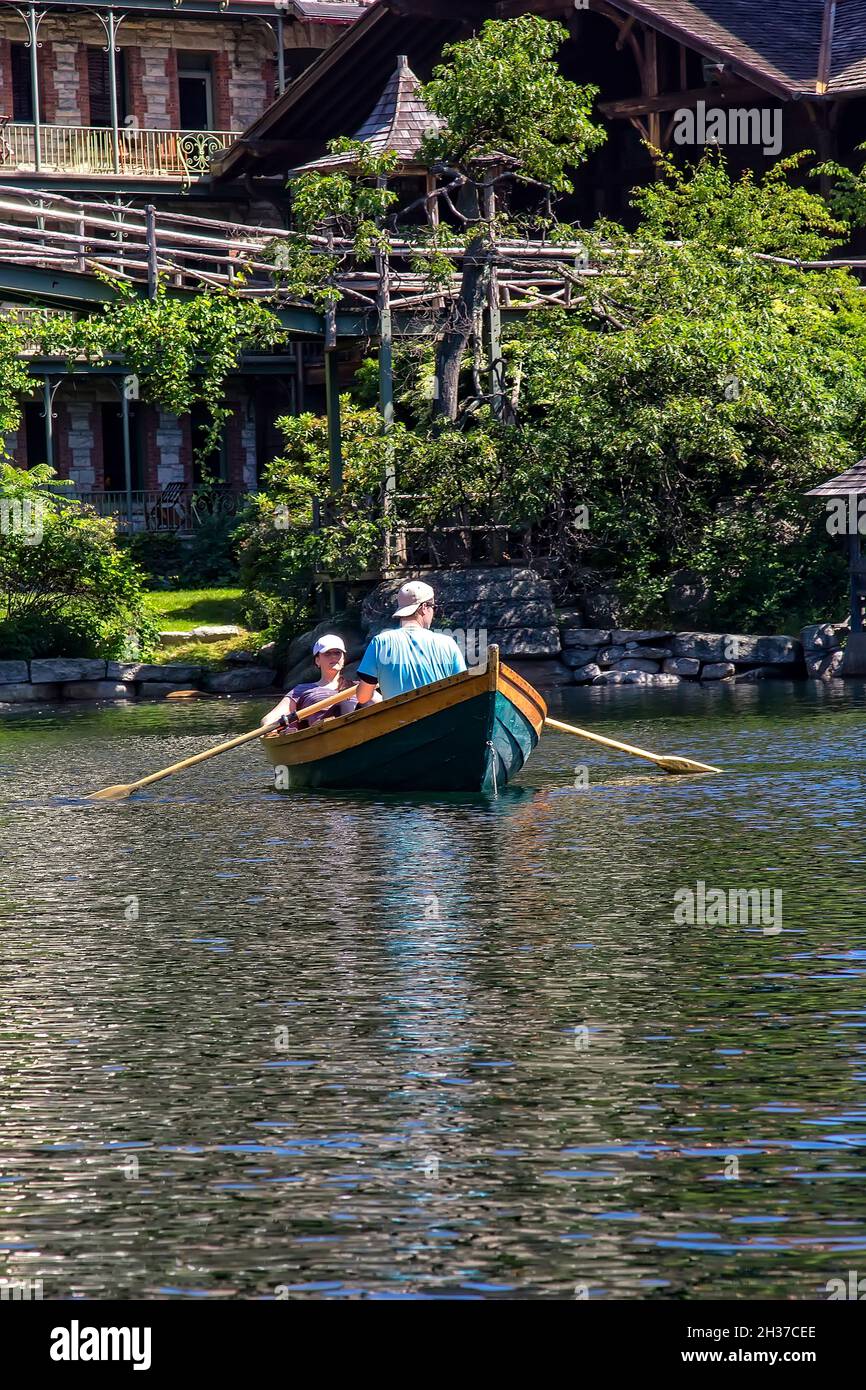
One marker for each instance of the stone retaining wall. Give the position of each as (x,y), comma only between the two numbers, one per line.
(34,682)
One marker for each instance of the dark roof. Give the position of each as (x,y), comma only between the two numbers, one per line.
(795,47)
(399,121)
(790,48)
(852,481)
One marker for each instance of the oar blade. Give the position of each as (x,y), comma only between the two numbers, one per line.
(681,765)
(118,793)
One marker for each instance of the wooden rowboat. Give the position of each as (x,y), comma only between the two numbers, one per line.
(470,733)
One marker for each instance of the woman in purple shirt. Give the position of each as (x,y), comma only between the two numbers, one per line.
(329,654)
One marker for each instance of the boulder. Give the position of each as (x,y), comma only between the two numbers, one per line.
(174,637)
(63,669)
(13,672)
(584,636)
(531,613)
(543,674)
(634,663)
(213,633)
(585,675)
(481,589)
(301,647)
(688,596)
(301,671)
(738,647)
(608,655)
(95,690)
(157,690)
(578,656)
(25,693)
(758,673)
(850,662)
(683,666)
(244,678)
(624,636)
(620,678)
(267,655)
(173,672)
(647,653)
(718,671)
(240,659)
(825,637)
(602,606)
(700,646)
(520,641)
(663,678)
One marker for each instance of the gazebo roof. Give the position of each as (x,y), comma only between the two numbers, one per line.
(852,481)
(399,121)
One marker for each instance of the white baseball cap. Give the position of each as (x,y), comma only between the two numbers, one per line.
(330,642)
(411,596)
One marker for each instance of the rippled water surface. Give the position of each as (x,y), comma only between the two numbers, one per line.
(348,1045)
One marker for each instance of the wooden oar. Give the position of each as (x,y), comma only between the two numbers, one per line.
(670,764)
(124,789)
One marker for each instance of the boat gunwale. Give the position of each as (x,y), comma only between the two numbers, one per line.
(491,678)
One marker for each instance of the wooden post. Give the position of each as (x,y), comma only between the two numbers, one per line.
(152,266)
(494,321)
(125,391)
(856,581)
(332,407)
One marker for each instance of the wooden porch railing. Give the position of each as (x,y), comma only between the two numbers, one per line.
(143,153)
(170,510)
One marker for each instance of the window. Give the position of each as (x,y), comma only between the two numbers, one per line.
(297,60)
(100,87)
(34,433)
(113,472)
(22,88)
(195,91)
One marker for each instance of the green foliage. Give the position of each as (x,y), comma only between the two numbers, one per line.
(66,588)
(848,195)
(280,552)
(181,350)
(159,553)
(698,393)
(210,556)
(501,93)
(15,380)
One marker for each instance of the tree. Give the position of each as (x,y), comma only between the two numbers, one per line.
(510,118)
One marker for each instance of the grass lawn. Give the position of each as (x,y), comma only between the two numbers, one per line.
(183,609)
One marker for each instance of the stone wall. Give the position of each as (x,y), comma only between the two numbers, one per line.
(60,678)
(514,608)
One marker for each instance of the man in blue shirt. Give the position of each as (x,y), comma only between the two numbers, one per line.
(409,656)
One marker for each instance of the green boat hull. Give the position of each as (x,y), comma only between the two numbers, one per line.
(476,746)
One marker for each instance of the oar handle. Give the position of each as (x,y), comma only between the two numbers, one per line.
(329,700)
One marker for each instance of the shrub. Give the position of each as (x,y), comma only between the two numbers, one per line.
(65,584)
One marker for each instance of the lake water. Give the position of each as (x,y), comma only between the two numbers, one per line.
(327,1045)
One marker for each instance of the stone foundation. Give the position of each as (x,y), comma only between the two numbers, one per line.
(62,678)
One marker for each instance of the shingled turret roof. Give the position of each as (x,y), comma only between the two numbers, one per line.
(399,121)
(852,481)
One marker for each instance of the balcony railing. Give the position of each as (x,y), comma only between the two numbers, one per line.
(174,509)
(141,153)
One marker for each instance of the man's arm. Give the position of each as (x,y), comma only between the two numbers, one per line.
(366,689)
